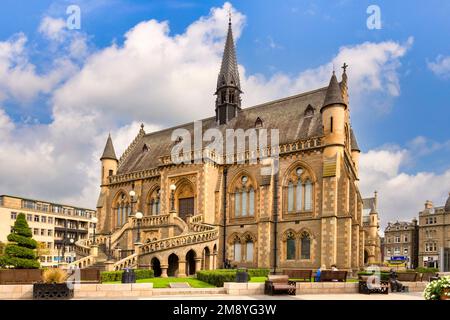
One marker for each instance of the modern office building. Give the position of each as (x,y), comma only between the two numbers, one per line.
(53,226)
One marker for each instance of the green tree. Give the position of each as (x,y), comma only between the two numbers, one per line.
(20,251)
(2,248)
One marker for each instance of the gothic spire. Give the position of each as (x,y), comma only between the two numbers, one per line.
(229,74)
(109,152)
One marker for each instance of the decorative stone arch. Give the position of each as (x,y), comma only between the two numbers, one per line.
(190,258)
(153,200)
(306,252)
(243,196)
(298,188)
(289,234)
(155,263)
(185,190)
(173,264)
(249,241)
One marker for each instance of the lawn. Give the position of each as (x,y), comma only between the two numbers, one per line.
(164,282)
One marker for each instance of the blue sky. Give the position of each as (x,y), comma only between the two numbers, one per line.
(276,38)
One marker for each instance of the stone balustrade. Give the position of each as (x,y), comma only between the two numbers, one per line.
(83,262)
(127,262)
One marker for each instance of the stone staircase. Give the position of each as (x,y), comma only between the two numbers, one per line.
(93,253)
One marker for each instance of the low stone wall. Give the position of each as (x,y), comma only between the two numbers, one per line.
(16,291)
(246,288)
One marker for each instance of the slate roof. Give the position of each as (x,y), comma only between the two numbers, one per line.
(108,152)
(334,93)
(229,74)
(354,142)
(287,115)
(447,204)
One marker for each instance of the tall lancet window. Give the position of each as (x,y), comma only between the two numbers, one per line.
(237,203)
(308,195)
(290,196)
(251,194)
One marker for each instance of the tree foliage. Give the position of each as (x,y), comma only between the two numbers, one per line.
(20,251)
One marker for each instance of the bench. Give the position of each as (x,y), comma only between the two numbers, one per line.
(407,276)
(369,285)
(299,275)
(279,283)
(427,277)
(328,275)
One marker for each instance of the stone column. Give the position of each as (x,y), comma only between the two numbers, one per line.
(164,268)
(181,269)
(198,264)
(94,250)
(214,264)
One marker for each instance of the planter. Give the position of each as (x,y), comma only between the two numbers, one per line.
(445,295)
(51,291)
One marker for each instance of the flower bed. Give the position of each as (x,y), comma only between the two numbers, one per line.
(438,289)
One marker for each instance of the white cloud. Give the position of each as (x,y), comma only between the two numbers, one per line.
(441,66)
(401,195)
(52,28)
(154,77)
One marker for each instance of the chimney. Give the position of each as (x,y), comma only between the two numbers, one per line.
(428,204)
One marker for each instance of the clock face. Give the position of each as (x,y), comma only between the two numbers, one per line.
(244,179)
(299,171)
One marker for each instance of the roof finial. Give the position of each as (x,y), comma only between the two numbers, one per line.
(229,17)
(344,67)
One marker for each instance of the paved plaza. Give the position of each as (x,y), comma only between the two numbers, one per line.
(349,296)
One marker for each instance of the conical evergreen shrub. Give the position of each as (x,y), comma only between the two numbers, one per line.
(20,251)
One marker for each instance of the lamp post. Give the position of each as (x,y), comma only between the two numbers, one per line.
(132,194)
(94,221)
(172,197)
(138,216)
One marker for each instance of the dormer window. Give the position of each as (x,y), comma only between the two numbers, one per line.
(258,123)
(309,112)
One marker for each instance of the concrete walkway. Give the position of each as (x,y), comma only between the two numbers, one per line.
(343,296)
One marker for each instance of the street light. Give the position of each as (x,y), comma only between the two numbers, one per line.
(138,218)
(132,194)
(94,221)
(172,197)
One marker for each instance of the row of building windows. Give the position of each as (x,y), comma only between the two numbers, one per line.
(397,239)
(397,251)
(430,233)
(45,207)
(299,196)
(430,247)
(431,220)
(291,246)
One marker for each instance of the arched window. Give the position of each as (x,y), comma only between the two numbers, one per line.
(290,196)
(251,202)
(290,246)
(258,123)
(249,250)
(154,202)
(237,250)
(118,221)
(308,195)
(305,246)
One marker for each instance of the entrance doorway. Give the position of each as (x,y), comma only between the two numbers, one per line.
(190,262)
(185,207)
(172,271)
(156,267)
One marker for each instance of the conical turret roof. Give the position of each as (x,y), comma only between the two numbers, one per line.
(354,143)
(334,93)
(109,152)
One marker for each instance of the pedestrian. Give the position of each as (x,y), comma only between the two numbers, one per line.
(318,272)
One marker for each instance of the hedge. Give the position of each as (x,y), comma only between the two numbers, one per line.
(426,270)
(219,276)
(111,276)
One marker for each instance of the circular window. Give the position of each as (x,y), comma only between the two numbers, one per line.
(299,171)
(244,179)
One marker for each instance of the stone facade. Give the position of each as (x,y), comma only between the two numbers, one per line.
(304,210)
(401,242)
(434,234)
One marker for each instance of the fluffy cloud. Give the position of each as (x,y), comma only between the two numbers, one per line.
(441,66)
(154,77)
(401,195)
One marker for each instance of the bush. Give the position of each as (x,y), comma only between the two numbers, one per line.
(217,277)
(54,275)
(19,253)
(111,276)
(258,272)
(426,270)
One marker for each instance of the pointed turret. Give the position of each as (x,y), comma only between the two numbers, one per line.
(447,204)
(109,161)
(228,88)
(109,152)
(334,94)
